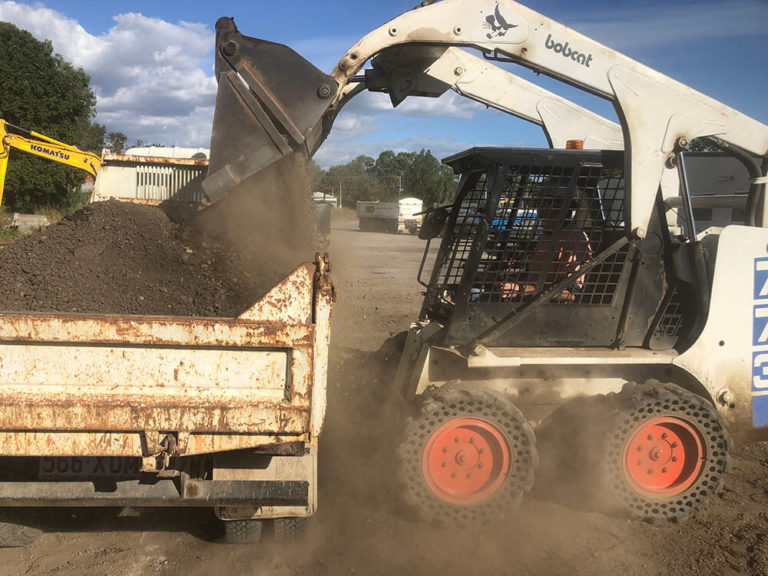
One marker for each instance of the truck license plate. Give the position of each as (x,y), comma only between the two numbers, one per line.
(88,467)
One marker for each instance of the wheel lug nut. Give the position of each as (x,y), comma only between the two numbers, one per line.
(443,465)
(445,450)
(453,475)
(471,440)
(639,462)
(664,436)
(674,458)
(469,475)
(674,444)
(664,470)
(481,450)
(650,471)
(480,464)
(650,437)
(639,448)
(457,439)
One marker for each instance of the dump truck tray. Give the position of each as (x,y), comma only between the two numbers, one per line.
(100,385)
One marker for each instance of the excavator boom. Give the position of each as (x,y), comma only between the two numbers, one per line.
(45,147)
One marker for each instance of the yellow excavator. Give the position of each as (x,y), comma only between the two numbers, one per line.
(40,145)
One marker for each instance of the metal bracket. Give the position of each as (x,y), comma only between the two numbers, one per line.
(158,452)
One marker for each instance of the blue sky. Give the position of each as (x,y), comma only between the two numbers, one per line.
(151,62)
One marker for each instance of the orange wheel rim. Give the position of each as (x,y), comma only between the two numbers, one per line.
(663,457)
(466,460)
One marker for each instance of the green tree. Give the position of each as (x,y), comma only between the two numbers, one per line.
(116,142)
(40,91)
(428,179)
(357,180)
(391,169)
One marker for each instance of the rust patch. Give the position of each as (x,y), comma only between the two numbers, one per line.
(156,160)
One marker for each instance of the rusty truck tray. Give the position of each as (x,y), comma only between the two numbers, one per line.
(103,385)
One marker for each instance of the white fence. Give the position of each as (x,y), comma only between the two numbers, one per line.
(149,179)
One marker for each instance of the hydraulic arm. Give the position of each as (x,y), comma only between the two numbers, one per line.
(45,147)
(420,71)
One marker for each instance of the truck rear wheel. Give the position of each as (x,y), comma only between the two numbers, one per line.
(468,455)
(290,528)
(243,531)
(668,453)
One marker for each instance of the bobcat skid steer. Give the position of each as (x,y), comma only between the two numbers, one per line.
(593,280)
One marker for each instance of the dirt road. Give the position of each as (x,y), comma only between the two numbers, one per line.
(361,529)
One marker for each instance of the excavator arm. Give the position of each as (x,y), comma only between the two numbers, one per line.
(658,114)
(44,147)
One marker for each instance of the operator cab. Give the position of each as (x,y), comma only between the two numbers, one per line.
(536,251)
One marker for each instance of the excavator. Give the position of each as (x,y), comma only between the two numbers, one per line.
(653,328)
(45,147)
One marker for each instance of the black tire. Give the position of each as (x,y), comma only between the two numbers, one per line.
(243,531)
(689,465)
(290,528)
(469,417)
(17,535)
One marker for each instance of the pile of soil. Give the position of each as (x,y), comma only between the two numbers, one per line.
(121,258)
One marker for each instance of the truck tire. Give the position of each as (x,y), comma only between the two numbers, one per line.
(467,456)
(290,528)
(668,451)
(243,531)
(17,535)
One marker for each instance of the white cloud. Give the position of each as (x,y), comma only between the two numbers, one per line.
(449,105)
(152,79)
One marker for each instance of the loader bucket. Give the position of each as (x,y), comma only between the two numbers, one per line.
(270,103)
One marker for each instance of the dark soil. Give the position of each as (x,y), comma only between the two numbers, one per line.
(114,257)
(119,258)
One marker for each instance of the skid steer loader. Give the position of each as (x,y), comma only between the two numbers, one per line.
(561,275)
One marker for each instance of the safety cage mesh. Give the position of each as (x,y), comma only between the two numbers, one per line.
(540,225)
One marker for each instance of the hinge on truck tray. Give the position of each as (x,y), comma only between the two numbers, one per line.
(158,449)
(323,274)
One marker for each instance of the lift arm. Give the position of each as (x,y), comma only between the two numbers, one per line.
(656,111)
(430,71)
(45,147)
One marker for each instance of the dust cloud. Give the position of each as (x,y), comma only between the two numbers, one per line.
(265,226)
